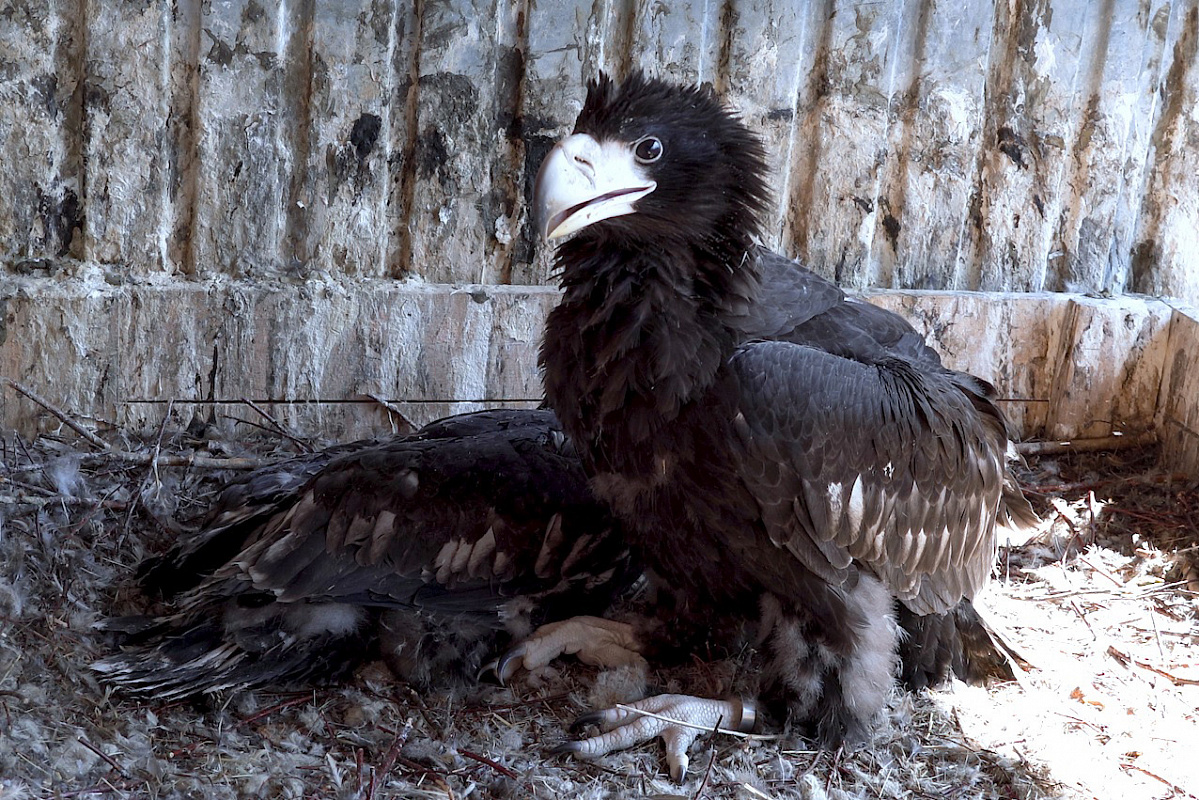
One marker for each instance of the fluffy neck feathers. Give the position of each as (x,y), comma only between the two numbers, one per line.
(639,334)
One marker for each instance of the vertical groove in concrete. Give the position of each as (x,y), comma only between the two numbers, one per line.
(506,202)
(402,263)
(892,199)
(810,132)
(183,120)
(1076,175)
(76,156)
(295,47)
(1164,258)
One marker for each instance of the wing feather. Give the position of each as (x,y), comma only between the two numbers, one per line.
(463,503)
(429,535)
(887,462)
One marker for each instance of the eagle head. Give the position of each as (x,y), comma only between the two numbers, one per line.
(650,162)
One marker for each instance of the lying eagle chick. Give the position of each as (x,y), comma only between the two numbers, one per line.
(434,548)
(779,453)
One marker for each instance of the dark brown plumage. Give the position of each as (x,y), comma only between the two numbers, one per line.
(780,453)
(432,549)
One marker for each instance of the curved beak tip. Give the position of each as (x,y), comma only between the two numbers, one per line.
(582,182)
(559,187)
(541,198)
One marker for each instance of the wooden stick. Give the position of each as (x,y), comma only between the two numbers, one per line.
(1174,679)
(295,701)
(123,786)
(107,451)
(193,461)
(92,438)
(406,425)
(711,762)
(493,764)
(279,428)
(102,755)
(162,428)
(389,759)
(1128,442)
(1174,786)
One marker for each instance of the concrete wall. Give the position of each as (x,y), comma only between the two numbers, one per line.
(1008,146)
(304,202)
(1066,366)
(1178,407)
(313,355)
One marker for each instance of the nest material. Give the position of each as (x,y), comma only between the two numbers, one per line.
(1102,603)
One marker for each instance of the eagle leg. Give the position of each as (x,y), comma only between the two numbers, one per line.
(595,640)
(833,688)
(677,719)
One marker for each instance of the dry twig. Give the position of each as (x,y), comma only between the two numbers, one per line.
(193,461)
(1126,442)
(63,417)
(279,427)
(1173,786)
(295,701)
(389,760)
(711,762)
(498,767)
(107,758)
(406,425)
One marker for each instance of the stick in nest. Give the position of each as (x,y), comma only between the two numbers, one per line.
(279,427)
(389,760)
(1127,442)
(493,764)
(92,438)
(109,759)
(107,451)
(711,762)
(406,425)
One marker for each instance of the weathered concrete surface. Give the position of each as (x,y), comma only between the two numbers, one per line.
(1066,366)
(1165,258)
(41,134)
(1016,147)
(313,353)
(1178,406)
(1108,369)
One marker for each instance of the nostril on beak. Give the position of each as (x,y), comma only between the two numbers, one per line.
(584,165)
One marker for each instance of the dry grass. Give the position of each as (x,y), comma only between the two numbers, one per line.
(1099,605)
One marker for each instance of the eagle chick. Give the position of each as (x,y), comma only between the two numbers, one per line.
(431,550)
(779,453)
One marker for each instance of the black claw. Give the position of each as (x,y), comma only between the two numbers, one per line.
(564,748)
(489,672)
(502,669)
(507,667)
(583,720)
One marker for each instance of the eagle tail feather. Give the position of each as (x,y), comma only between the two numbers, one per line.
(176,659)
(959,641)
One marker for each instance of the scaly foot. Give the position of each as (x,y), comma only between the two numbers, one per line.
(677,718)
(596,641)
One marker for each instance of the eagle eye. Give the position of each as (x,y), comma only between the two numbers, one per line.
(648,149)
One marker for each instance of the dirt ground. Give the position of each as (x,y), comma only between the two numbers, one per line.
(1101,603)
